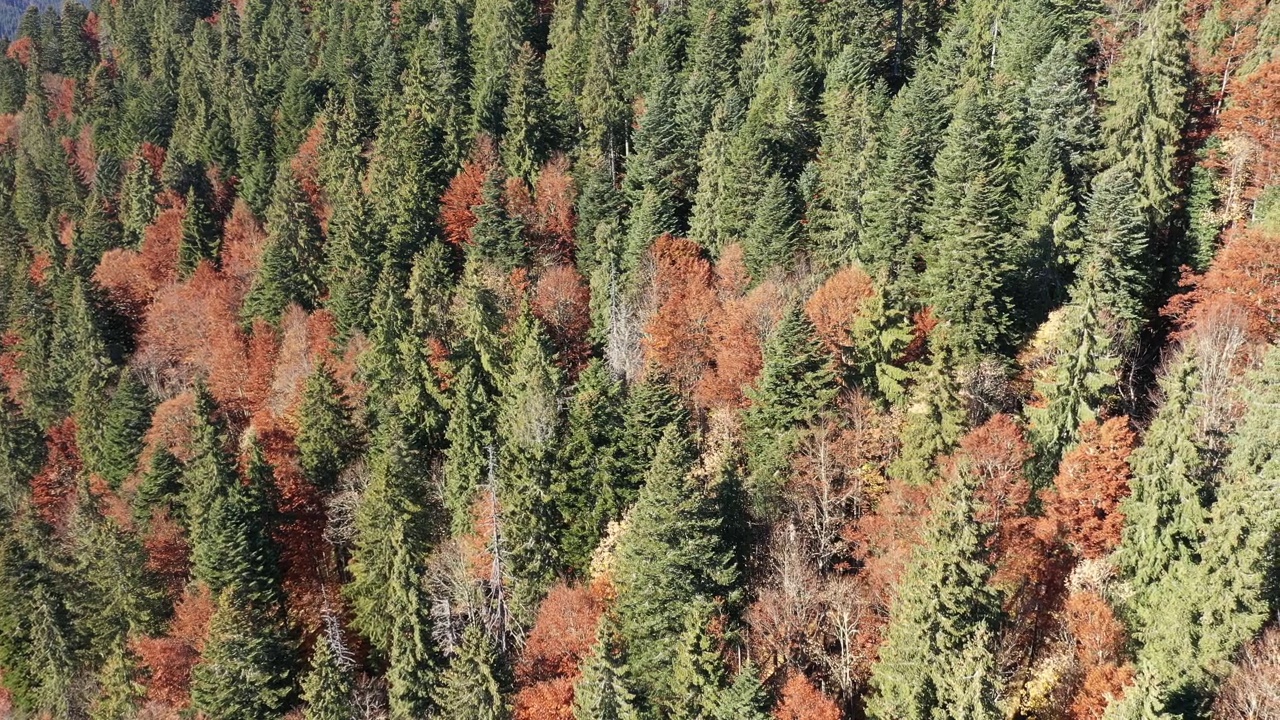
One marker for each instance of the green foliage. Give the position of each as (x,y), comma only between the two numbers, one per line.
(474,685)
(127,419)
(470,436)
(670,559)
(937,657)
(245,670)
(293,257)
(328,687)
(327,436)
(935,421)
(590,464)
(601,693)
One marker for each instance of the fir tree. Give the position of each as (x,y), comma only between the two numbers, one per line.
(328,687)
(245,669)
(199,234)
(528,426)
(293,256)
(934,424)
(527,138)
(601,693)
(470,436)
(589,463)
(496,236)
(1115,252)
(671,559)
(327,437)
(474,685)
(797,383)
(1142,127)
(772,239)
(498,28)
(127,420)
(936,660)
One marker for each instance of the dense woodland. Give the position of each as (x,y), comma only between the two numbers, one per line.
(620,359)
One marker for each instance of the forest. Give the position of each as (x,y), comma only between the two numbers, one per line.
(640,360)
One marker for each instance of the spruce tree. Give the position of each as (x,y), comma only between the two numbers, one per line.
(496,236)
(1142,127)
(772,240)
(795,388)
(936,660)
(498,29)
(327,436)
(328,687)
(527,135)
(935,421)
(671,559)
(699,674)
(246,668)
(126,422)
(589,463)
(470,436)
(601,692)
(292,259)
(1115,247)
(1081,382)
(528,427)
(474,685)
(651,407)
(1165,514)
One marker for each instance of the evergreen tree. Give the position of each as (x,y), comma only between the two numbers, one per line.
(967,275)
(124,426)
(116,596)
(601,693)
(498,30)
(1079,385)
(527,138)
(1164,515)
(412,658)
(292,259)
(794,388)
(474,685)
(699,676)
(934,423)
(651,408)
(772,239)
(245,669)
(138,199)
(590,463)
(743,699)
(936,660)
(528,426)
(327,436)
(671,559)
(199,234)
(470,436)
(1143,124)
(1115,252)
(329,686)
(496,236)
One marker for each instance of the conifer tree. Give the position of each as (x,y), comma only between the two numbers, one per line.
(651,408)
(1164,515)
(245,669)
(1115,250)
(528,426)
(327,437)
(199,235)
(934,424)
(601,693)
(117,597)
(772,239)
(936,660)
(474,685)
(671,559)
(743,699)
(138,199)
(498,29)
(1142,127)
(603,103)
(794,388)
(412,659)
(393,534)
(470,436)
(699,675)
(590,462)
(967,225)
(1080,383)
(352,251)
(496,236)
(127,419)
(328,687)
(527,136)
(293,256)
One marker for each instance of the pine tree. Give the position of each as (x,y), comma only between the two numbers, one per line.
(1142,127)
(794,389)
(328,687)
(528,426)
(246,667)
(936,660)
(327,436)
(474,685)
(293,256)
(671,559)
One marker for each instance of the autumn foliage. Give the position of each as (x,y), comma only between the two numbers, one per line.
(563,633)
(800,700)
(1092,482)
